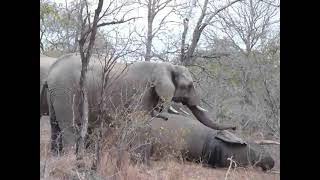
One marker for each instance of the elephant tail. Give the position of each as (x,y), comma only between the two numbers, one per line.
(44,108)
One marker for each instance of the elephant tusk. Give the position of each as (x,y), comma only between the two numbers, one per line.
(184,111)
(201,109)
(173,110)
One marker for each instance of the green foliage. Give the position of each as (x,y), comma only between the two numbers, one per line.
(45,9)
(49,10)
(60,29)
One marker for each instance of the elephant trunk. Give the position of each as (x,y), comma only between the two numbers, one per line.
(202,116)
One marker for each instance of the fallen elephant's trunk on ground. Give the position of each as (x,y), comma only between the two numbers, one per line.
(200,143)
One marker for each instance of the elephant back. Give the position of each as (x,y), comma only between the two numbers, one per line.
(228,137)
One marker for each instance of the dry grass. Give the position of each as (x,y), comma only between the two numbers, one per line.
(64,167)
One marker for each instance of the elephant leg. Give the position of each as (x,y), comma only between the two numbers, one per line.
(64,118)
(56,142)
(44,109)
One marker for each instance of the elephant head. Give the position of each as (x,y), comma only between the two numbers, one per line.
(176,83)
(184,89)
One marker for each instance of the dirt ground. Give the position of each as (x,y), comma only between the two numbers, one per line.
(58,167)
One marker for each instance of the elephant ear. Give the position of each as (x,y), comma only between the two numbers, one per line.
(229,137)
(162,81)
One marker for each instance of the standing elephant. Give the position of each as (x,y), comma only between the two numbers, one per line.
(144,82)
(45,64)
(213,147)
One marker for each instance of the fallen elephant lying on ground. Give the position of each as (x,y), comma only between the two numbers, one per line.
(212,147)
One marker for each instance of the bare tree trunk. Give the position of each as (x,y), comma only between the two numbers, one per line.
(149,30)
(187,56)
(88,29)
(85,59)
(75,45)
(195,39)
(149,41)
(154,7)
(183,41)
(42,32)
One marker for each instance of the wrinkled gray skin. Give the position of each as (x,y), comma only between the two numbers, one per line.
(201,142)
(172,82)
(45,64)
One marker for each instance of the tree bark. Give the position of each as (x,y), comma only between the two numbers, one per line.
(187,56)
(85,59)
(149,30)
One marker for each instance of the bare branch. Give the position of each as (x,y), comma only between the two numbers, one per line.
(249,22)
(274,5)
(85,58)
(107,9)
(219,10)
(264,141)
(117,22)
(199,28)
(162,22)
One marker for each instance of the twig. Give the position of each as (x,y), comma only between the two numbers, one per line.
(229,168)
(264,141)
(204,101)
(269,3)
(78,175)
(117,22)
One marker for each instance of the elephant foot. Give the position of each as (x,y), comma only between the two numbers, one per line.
(56,139)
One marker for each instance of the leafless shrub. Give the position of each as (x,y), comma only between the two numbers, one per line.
(170,144)
(242,91)
(232,164)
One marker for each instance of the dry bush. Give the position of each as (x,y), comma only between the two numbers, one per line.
(169,144)
(112,146)
(64,167)
(241,91)
(122,140)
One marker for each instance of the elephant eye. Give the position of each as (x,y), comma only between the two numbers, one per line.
(190,86)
